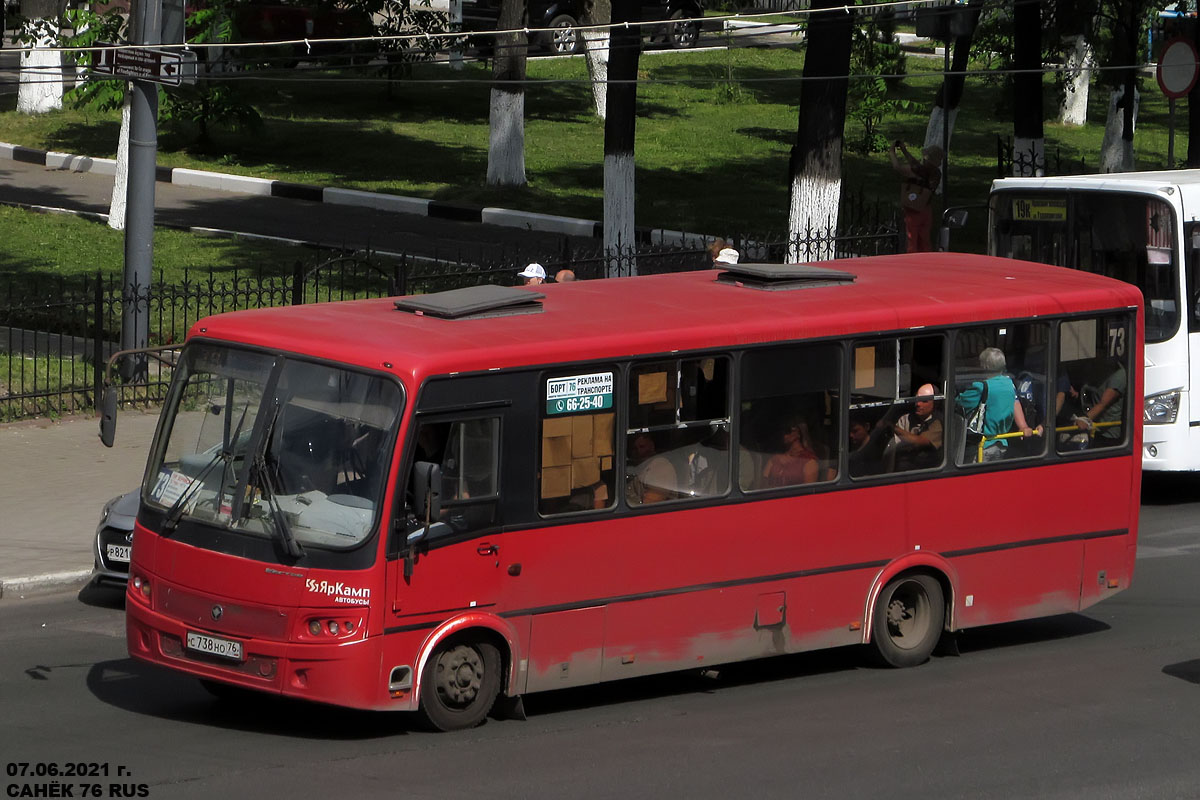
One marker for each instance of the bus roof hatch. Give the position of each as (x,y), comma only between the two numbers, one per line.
(474,302)
(783,276)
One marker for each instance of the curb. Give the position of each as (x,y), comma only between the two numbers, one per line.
(38,584)
(420,206)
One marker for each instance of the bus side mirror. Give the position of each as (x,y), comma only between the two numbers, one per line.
(108,416)
(957,218)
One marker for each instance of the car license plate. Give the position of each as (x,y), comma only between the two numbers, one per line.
(212,645)
(118,552)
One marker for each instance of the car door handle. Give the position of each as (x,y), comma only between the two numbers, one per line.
(486,549)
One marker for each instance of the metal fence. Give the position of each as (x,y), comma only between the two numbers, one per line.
(57,336)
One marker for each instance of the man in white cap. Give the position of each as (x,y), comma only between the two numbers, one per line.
(727,255)
(532,275)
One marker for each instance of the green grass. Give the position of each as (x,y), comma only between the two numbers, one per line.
(712,156)
(37,247)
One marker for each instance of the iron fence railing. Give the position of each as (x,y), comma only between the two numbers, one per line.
(56,336)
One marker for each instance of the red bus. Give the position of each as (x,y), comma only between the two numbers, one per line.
(429,503)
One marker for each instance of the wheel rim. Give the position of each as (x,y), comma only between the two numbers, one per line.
(564,38)
(684,34)
(458,675)
(908,617)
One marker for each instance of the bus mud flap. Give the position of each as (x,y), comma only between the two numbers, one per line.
(509,708)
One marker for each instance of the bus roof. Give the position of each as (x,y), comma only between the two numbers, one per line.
(621,317)
(1186,180)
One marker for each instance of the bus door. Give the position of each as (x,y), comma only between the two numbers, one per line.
(451,563)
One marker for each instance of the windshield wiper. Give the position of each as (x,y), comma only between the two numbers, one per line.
(224,457)
(261,475)
(175,512)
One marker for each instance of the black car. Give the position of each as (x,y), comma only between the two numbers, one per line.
(114,539)
(680,19)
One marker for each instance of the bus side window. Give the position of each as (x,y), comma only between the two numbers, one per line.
(788,428)
(677,444)
(1008,363)
(1092,383)
(897,405)
(1191,238)
(468,452)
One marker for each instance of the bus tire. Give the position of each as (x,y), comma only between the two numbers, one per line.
(460,685)
(908,620)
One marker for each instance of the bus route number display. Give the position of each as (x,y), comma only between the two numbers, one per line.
(573,394)
(1028,210)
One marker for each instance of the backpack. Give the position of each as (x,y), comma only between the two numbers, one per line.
(1027,387)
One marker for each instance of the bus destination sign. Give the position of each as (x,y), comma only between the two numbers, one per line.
(573,394)
(1039,210)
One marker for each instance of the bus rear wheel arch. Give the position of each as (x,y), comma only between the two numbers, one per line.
(461,682)
(908,619)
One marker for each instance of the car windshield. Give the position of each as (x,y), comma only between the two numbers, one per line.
(274,447)
(1129,237)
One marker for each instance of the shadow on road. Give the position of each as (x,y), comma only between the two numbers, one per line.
(143,689)
(102,596)
(1169,489)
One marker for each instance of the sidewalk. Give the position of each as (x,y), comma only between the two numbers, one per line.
(54,479)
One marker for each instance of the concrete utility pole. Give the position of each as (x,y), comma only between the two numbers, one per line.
(139,206)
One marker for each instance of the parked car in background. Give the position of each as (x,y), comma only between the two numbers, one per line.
(114,539)
(680,19)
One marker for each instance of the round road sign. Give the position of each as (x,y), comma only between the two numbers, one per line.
(1177,68)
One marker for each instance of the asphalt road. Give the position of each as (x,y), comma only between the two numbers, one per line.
(1094,705)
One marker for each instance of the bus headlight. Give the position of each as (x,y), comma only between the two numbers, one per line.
(1161,409)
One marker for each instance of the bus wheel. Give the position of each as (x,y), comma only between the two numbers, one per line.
(460,684)
(908,620)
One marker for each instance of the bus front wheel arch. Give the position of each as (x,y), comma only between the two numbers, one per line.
(908,619)
(461,682)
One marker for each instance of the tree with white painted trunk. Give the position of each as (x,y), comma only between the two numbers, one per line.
(116,204)
(595,49)
(506,134)
(816,158)
(1116,150)
(620,125)
(40,87)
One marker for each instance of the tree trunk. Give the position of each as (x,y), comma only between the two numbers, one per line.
(41,79)
(619,128)
(1116,151)
(945,107)
(1080,61)
(1029,143)
(506,138)
(116,206)
(595,43)
(816,159)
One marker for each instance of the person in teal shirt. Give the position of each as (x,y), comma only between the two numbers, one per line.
(1003,410)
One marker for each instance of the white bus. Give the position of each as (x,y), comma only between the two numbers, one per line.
(1143,228)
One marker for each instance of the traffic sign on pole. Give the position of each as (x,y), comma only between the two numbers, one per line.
(1177,68)
(141,64)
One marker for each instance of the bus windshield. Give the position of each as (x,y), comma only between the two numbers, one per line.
(1125,236)
(275,447)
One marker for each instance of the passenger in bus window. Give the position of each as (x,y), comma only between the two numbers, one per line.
(798,463)
(1003,412)
(1105,415)
(652,478)
(867,445)
(917,442)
